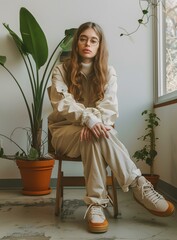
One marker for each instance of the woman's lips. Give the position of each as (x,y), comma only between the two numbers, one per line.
(86,51)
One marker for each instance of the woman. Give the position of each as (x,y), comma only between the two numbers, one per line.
(84,99)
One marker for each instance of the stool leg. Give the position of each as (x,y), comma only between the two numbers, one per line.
(59,190)
(114,191)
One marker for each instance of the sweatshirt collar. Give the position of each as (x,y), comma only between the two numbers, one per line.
(86,68)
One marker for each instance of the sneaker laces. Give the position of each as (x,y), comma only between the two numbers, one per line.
(149,192)
(95,209)
(110,199)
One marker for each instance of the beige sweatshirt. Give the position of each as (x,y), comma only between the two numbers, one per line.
(66,110)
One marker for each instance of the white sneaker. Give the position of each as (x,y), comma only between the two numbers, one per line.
(97,221)
(145,194)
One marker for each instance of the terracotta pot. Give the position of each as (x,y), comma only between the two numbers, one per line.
(36,176)
(153,179)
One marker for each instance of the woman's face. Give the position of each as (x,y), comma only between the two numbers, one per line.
(88,44)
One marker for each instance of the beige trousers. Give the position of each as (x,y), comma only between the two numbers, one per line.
(96,155)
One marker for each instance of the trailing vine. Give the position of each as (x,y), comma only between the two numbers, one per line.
(146,14)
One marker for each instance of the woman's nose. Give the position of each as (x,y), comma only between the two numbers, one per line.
(88,42)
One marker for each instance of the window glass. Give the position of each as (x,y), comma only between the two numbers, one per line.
(166,23)
(171,45)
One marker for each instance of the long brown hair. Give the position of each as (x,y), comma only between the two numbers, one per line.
(100,64)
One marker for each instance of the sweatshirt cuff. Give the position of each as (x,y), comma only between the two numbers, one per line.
(92,122)
(89,118)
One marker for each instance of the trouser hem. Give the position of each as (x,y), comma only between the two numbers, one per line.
(94,200)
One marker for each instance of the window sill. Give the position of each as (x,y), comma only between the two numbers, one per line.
(163,104)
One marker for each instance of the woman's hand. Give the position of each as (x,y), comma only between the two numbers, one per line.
(100,130)
(86,134)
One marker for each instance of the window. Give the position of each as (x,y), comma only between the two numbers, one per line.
(166,51)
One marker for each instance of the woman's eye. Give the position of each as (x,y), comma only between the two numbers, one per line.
(83,39)
(94,41)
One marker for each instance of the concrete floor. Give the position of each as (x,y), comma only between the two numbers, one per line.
(32,218)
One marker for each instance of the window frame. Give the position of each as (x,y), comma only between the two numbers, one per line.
(160,59)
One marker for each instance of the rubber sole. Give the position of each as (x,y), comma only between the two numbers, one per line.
(98,228)
(167,213)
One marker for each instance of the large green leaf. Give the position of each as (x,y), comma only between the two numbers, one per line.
(33,37)
(70,31)
(16,39)
(2,60)
(66,45)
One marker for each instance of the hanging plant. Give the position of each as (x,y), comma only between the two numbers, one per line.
(147,7)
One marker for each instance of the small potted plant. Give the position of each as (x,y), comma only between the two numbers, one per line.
(148,153)
(33,48)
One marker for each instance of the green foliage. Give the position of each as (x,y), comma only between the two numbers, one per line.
(145,11)
(33,38)
(148,152)
(33,154)
(1,151)
(2,60)
(33,47)
(146,7)
(140,21)
(30,154)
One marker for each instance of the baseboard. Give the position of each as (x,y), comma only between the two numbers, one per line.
(167,190)
(10,183)
(17,183)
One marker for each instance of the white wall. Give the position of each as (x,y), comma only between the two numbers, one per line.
(131,57)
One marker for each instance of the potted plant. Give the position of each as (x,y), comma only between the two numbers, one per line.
(33,49)
(148,153)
